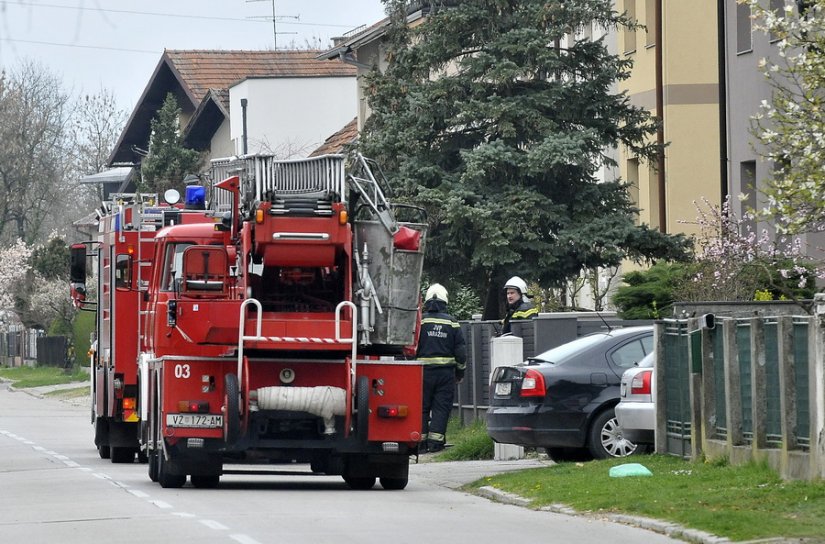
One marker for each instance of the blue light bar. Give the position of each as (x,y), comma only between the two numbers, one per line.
(195,198)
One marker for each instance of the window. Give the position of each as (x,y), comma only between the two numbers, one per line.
(630,33)
(747,186)
(778,7)
(123,272)
(633,352)
(173,266)
(743,28)
(653,195)
(650,23)
(633,183)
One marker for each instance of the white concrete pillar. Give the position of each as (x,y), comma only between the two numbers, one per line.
(506,350)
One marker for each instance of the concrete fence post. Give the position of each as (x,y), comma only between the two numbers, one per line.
(787,383)
(733,386)
(759,386)
(506,350)
(817,361)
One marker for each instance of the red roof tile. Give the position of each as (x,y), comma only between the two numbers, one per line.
(338,141)
(205,69)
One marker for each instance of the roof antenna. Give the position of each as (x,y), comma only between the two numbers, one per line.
(606,324)
(274,18)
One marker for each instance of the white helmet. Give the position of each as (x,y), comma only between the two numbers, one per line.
(436,290)
(516,283)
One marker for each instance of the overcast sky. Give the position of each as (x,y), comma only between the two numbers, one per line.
(116,44)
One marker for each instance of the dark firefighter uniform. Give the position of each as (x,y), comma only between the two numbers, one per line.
(518,304)
(442,350)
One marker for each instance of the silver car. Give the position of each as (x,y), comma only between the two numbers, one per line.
(636,411)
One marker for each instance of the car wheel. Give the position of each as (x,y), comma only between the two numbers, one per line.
(605,438)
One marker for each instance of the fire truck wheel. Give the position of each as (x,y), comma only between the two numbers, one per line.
(165,478)
(153,466)
(362,400)
(205,481)
(102,438)
(360,483)
(393,483)
(231,417)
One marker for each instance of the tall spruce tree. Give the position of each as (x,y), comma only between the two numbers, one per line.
(168,160)
(496,122)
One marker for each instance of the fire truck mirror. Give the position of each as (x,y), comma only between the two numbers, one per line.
(77,258)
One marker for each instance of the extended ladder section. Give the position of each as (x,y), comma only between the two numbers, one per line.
(363,181)
(300,186)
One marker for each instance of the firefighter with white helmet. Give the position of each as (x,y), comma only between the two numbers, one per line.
(518,303)
(442,350)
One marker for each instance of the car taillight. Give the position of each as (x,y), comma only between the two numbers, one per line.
(533,384)
(641,383)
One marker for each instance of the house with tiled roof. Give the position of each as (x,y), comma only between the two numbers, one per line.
(281,102)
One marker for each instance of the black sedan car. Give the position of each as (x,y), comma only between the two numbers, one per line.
(563,399)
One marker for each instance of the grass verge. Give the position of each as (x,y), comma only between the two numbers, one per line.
(745,502)
(26,376)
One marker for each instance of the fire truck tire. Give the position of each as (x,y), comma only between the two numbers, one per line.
(205,481)
(102,438)
(362,402)
(153,466)
(122,455)
(393,483)
(166,479)
(231,418)
(360,483)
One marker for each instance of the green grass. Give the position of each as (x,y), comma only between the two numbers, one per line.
(73,393)
(738,502)
(468,443)
(26,376)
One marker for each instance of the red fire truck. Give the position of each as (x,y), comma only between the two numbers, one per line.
(122,252)
(272,331)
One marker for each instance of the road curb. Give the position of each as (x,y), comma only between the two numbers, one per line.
(670,529)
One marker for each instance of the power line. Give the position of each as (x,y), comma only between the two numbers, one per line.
(56,44)
(158,14)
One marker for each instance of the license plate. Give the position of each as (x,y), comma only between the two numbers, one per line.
(198,421)
(503,388)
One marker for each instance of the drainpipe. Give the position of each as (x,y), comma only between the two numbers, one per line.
(243,116)
(723,99)
(660,113)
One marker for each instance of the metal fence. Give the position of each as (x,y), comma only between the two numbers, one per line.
(18,347)
(749,388)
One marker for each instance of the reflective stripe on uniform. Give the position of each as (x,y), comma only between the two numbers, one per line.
(524,314)
(438,321)
(437,360)
(436,437)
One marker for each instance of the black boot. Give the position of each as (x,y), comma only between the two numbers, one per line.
(434,446)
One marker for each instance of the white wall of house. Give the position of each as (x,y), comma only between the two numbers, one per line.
(222,145)
(290,117)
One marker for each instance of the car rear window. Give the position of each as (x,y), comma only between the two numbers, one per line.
(565,351)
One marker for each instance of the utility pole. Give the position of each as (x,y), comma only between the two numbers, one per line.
(275,18)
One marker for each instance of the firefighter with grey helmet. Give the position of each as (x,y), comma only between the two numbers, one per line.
(442,350)
(518,303)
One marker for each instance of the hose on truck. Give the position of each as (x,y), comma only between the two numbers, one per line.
(323,401)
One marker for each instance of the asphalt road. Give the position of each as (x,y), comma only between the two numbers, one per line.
(54,488)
